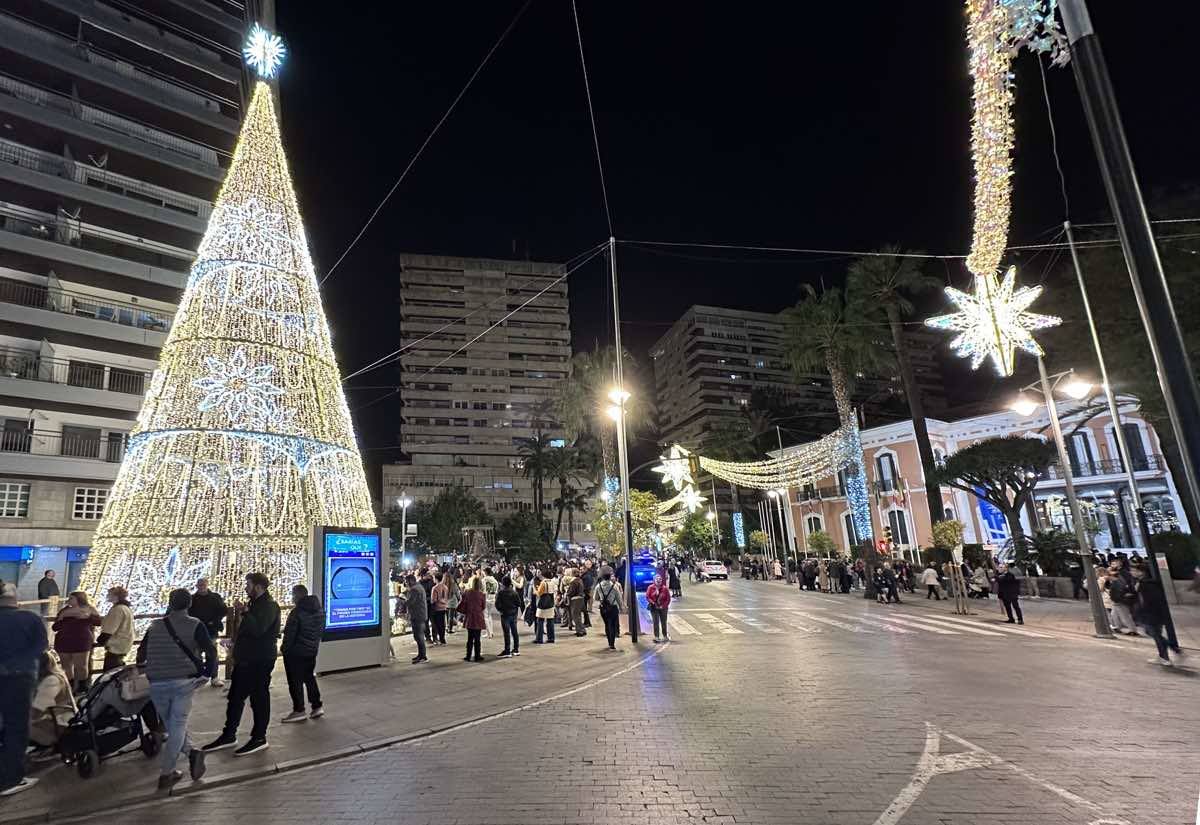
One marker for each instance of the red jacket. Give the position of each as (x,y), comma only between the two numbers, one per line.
(73,632)
(473,603)
(658,595)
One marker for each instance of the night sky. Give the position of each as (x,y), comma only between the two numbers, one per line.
(817,125)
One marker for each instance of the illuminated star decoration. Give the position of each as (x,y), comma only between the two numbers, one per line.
(691,499)
(263,51)
(674,468)
(993,322)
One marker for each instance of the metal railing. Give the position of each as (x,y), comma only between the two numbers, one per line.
(81,305)
(70,231)
(31,366)
(109,448)
(882,486)
(63,104)
(1108,467)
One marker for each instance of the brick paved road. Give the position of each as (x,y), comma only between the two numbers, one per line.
(778,707)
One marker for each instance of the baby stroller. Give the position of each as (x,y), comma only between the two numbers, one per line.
(115,712)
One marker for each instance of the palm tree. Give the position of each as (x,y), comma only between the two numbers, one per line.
(582,402)
(822,334)
(567,465)
(536,465)
(882,287)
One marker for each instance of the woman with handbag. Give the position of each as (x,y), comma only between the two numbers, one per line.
(658,598)
(546,591)
(473,605)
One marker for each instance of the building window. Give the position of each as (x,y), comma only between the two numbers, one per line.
(14,500)
(948,512)
(17,436)
(885,471)
(899,526)
(814,523)
(1137,447)
(851,533)
(89,503)
(80,442)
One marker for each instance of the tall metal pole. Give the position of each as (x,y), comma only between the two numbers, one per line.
(1114,412)
(622,450)
(716,512)
(1099,618)
(782,528)
(1171,360)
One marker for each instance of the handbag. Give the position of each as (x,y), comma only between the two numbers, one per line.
(545,601)
(135,686)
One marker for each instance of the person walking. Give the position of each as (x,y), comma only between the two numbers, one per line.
(116,629)
(1122,592)
(453,597)
(575,600)
(545,590)
(474,606)
(209,608)
(608,595)
(1008,588)
(74,638)
(418,615)
(179,656)
(658,598)
(1151,614)
(490,588)
(23,641)
(301,643)
(509,605)
(929,579)
(438,605)
(254,650)
(47,588)
(427,584)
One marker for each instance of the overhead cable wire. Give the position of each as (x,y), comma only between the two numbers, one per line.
(392,356)
(437,126)
(587,88)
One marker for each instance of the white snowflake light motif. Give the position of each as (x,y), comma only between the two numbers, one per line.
(674,468)
(993,322)
(263,51)
(247,232)
(691,499)
(151,583)
(244,391)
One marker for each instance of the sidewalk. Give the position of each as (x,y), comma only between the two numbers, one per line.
(365,710)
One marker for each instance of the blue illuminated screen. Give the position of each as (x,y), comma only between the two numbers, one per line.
(352,576)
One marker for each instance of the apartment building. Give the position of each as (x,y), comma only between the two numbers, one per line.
(117,120)
(897,483)
(465,414)
(712,361)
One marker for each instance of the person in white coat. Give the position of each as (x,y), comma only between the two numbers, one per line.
(930,580)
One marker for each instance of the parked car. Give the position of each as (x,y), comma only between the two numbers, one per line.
(713,569)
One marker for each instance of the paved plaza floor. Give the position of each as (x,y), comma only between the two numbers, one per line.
(769,706)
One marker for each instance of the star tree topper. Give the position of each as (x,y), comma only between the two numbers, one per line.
(263,51)
(993,322)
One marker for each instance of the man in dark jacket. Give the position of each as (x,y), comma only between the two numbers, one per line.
(1151,612)
(209,608)
(47,588)
(1008,588)
(254,652)
(22,642)
(179,655)
(509,605)
(417,605)
(301,641)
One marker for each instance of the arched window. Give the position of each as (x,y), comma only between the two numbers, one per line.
(814,524)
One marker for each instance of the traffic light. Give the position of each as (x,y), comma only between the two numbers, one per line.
(887,535)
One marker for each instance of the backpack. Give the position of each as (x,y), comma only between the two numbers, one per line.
(608,600)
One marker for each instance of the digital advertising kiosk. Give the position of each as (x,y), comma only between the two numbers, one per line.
(349,575)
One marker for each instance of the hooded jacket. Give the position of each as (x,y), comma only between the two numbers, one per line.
(257,632)
(302,632)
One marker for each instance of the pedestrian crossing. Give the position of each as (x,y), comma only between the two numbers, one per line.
(773,621)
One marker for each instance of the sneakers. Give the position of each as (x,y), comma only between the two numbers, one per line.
(166,781)
(1164,662)
(295,716)
(416,660)
(657,640)
(217,682)
(196,763)
(518,653)
(317,713)
(504,654)
(253,746)
(220,743)
(24,785)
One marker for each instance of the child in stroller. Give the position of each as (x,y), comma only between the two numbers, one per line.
(115,712)
(52,707)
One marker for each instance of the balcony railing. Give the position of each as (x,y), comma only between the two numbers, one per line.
(51,164)
(107,120)
(71,231)
(1108,467)
(109,448)
(30,366)
(882,487)
(85,306)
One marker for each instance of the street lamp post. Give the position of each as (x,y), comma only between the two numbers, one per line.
(712,517)
(618,396)
(776,496)
(404,501)
(1076,389)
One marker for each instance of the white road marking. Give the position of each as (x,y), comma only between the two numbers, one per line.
(920,622)
(681,627)
(717,624)
(895,628)
(853,628)
(754,623)
(789,619)
(1002,628)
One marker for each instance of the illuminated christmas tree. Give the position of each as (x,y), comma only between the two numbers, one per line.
(244,440)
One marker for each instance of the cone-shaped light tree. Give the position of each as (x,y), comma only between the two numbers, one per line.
(244,440)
